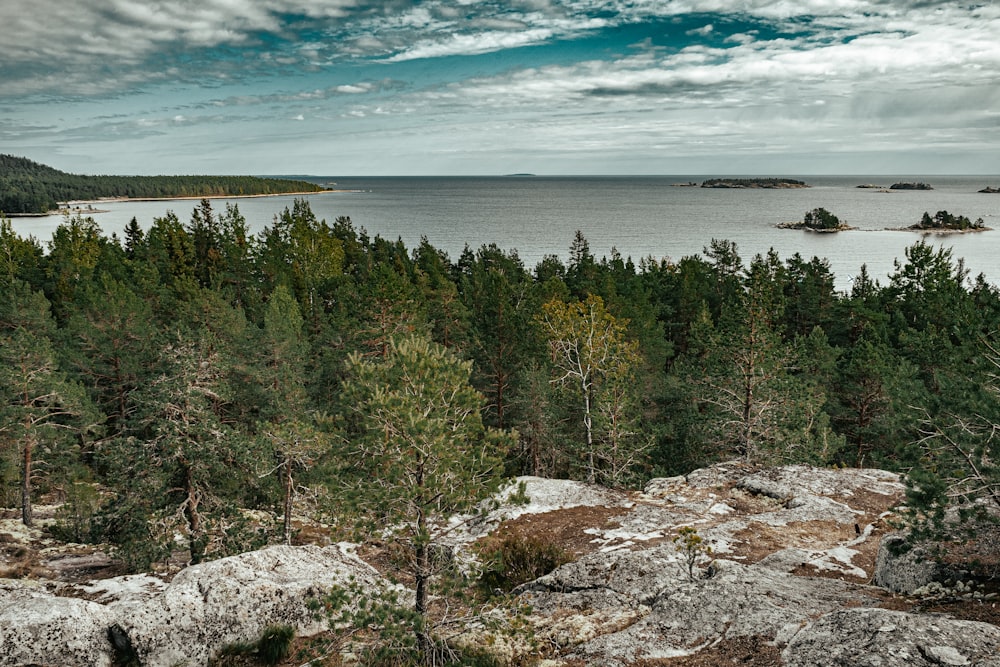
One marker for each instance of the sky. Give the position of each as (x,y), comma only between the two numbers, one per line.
(465,87)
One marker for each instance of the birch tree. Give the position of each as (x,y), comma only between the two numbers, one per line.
(589,350)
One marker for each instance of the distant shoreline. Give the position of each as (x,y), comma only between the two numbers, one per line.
(73,206)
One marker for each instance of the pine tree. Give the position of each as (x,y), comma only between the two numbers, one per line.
(417,453)
(41,411)
(289,426)
(184,470)
(497,291)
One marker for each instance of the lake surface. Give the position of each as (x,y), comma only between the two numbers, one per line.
(640,216)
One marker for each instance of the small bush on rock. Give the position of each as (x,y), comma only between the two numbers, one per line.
(691,547)
(272,647)
(518,559)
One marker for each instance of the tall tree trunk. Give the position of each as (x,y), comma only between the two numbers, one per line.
(288,483)
(421,580)
(26,514)
(747,435)
(195,546)
(588,424)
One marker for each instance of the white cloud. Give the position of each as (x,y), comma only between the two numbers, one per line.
(842,72)
(354,89)
(460,44)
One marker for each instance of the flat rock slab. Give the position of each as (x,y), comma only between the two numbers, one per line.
(183,622)
(884,638)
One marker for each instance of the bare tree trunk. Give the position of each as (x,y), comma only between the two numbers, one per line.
(588,423)
(288,502)
(26,514)
(195,547)
(421,580)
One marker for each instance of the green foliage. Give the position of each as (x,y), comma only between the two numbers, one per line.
(44,415)
(74,518)
(820,218)
(593,360)
(518,559)
(691,547)
(389,630)
(274,642)
(945,220)
(520,496)
(183,469)
(751,183)
(299,329)
(417,452)
(273,646)
(955,483)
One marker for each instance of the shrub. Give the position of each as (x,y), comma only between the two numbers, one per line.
(691,547)
(273,645)
(518,559)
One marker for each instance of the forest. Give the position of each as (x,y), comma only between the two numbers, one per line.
(27,187)
(188,377)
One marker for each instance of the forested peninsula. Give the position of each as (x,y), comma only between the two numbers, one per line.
(27,187)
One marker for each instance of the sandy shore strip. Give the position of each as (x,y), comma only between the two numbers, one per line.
(75,205)
(108,200)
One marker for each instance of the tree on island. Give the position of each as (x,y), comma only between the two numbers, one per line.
(945,220)
(820,218)
(816,220)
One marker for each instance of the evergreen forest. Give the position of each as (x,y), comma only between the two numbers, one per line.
(27,187)
(188,377)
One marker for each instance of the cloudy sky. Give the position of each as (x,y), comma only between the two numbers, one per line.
(354,87)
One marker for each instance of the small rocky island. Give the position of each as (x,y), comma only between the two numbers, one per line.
(910,186)
(817,220)
(990,190)
(944,222)
(755,183)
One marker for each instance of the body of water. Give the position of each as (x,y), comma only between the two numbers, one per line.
(640,216)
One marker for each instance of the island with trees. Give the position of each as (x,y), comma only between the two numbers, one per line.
(910,186)
(754,183)
(30,188)
(817,220)
(944,222)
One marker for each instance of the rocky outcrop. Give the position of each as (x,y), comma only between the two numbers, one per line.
(793,552)
(38,628)
(185,621)
(648,607)
(853,637)
(784,569)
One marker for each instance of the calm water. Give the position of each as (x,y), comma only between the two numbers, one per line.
(639,216)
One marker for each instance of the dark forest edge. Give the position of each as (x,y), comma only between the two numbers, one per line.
(195,360)
(27,187)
